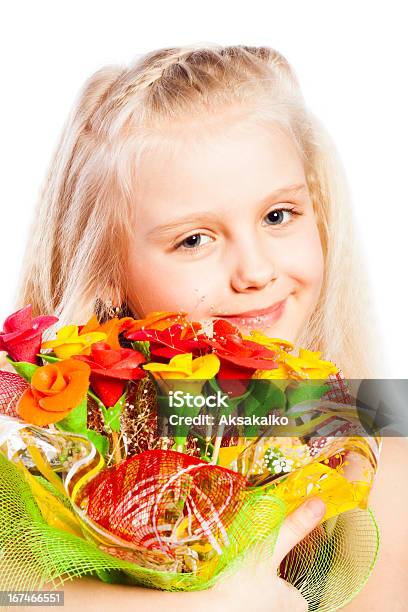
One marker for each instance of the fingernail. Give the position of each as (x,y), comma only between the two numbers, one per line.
(315,506)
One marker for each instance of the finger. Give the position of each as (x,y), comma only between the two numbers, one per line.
(296,526)
(293,599)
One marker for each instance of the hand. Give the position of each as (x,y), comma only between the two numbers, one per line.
(256,586)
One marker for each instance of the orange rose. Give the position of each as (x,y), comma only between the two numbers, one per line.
(56,389)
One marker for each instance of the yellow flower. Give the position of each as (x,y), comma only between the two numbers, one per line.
(274,344)
(112,328)
(306,365)
(186,368)
(69,342)
(309,365)
(281,375)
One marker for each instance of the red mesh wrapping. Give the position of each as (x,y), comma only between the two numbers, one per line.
(158,498)
(12,387)
(339,389)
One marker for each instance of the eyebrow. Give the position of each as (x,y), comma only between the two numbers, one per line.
(206,216)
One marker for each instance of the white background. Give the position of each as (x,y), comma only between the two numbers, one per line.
(351,58)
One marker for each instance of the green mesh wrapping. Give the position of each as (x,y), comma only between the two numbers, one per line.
(329,567)
(34,553)
(332,564)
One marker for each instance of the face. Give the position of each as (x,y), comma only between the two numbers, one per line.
(225,226)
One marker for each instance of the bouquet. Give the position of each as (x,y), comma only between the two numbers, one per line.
(160,451)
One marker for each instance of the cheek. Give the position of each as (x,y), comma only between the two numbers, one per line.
(161,282)
(304,259)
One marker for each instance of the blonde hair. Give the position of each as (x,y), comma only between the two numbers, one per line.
(76,256)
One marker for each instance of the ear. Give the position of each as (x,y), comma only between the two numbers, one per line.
(104,309)
(125,311)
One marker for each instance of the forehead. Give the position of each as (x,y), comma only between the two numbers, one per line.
(216,169)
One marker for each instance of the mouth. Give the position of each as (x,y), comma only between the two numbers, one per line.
(253,318)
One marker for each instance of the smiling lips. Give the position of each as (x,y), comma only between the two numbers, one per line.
(264,317)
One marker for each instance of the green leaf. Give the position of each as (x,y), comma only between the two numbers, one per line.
(143,346)
(23,368)
(232,402)
(304,391)
(76,420)
(202,445)
(48,358)
(101,442)
(95,397)
(111,416)
(264,397)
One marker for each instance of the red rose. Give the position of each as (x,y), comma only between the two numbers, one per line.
(239,358)
(21,337)
(172,341)
(111,369)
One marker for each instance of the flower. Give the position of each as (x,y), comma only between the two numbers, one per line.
(159,320)
(309,365)
(174,340)
(184,367)
(239,357)
(111,329)
(274,344)
(281,375)
(21,336)
(69,342)
(281,465)
(276,461)
(111,369)
(55,390)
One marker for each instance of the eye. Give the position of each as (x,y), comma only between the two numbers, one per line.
(277,216)
(193,242)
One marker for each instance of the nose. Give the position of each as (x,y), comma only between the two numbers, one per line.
(253,266)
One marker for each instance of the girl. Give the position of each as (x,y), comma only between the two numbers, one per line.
(196,179)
